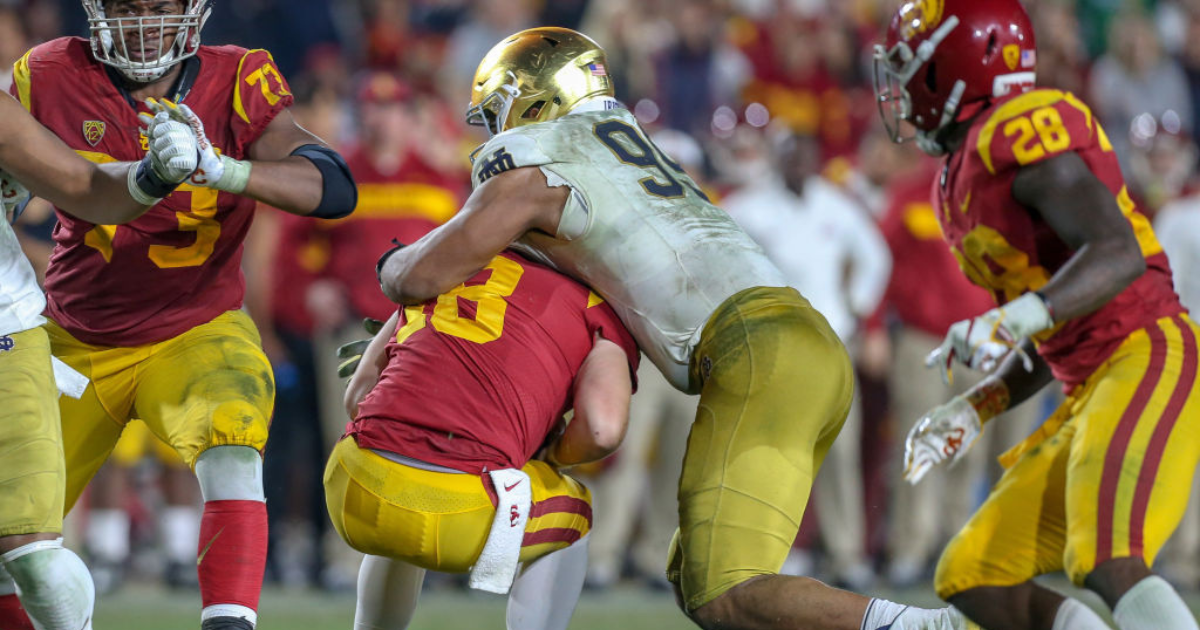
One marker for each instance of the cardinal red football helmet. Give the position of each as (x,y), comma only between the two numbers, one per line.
(947,58)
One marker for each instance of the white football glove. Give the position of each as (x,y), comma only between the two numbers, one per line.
(215,171)
(13,196)
(946,432)
(174,152)
(983,342)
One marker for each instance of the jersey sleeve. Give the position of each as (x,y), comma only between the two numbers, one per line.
(259,95)
(602,319)
(509,150)
(22,81)
(1036,126)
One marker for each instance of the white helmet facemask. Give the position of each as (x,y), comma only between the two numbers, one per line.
(114,38)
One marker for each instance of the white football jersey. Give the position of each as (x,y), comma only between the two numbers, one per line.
(636,229)
(21,299)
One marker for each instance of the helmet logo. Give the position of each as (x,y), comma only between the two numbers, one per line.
(919,16)
(1012,54)
(93,131)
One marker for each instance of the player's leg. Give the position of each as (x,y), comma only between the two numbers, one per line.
(554,552)
(1126,505)
(387,593)
(52,583)
(1018,533)
(544,595)
(208,393)
(776,386)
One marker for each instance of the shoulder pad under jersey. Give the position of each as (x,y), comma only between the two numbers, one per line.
(512,149)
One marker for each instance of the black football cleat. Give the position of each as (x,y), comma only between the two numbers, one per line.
(226,623)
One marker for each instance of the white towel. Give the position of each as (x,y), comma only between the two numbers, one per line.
(496,567)
(70,382)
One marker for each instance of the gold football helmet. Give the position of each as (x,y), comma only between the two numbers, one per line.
(537,75)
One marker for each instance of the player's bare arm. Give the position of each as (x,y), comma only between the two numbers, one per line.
(603,387)
(1084,214)
(292,183)
(496,214)
(103,194)
(289,168)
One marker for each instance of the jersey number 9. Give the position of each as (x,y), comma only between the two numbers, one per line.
(630,147)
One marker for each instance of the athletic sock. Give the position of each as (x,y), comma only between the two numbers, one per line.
(54,585)
(883,614)
(1153,605)
(1073,615)
(231,558)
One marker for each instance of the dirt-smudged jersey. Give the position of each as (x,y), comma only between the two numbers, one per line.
(477,377)
(179,265)
(1008,249)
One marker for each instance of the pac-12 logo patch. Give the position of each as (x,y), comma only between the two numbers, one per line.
(7,343)
(93,131)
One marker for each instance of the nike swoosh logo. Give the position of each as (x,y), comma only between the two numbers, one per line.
(204,552)
(514,485)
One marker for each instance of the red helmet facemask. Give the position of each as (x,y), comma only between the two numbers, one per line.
(943,56)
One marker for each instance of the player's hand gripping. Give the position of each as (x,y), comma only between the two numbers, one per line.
(945,433)
(981,343)
(13,196)
(214,170)
(174,152)
(353,351)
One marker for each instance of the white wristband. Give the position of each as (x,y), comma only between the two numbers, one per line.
(136,191)
(235,176)
(1026,316)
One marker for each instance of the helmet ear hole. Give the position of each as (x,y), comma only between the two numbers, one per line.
(534,110)
(992,45)
(931,77)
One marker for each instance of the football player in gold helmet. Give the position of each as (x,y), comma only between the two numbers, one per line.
(570,179)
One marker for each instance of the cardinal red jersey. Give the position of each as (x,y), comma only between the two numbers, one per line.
(1008,249)
(478,377)
(404,204)
(178,265)
(926,290)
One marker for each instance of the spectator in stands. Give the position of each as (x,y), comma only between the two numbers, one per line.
(830,251)
(699,71)
(1134,76)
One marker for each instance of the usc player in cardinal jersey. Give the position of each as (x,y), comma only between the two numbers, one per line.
(149,311)
(1032,203)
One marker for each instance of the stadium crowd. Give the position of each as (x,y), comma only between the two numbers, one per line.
(769,105)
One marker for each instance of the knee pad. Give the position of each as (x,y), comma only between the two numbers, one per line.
(55,586)
(230,473)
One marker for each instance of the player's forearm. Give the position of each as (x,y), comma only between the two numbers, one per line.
(103,197)
(1010,385)
(292,184)
(1093,276)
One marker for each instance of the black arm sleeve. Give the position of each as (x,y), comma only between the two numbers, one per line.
(339,194)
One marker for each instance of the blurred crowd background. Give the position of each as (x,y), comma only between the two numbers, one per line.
(769,104)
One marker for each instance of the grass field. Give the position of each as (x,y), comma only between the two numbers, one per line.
(146,607)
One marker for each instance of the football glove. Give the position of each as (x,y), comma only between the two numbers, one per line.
(983,342)
(14,196)
(214,171)
(173,149)
(944,433)
(353,351)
